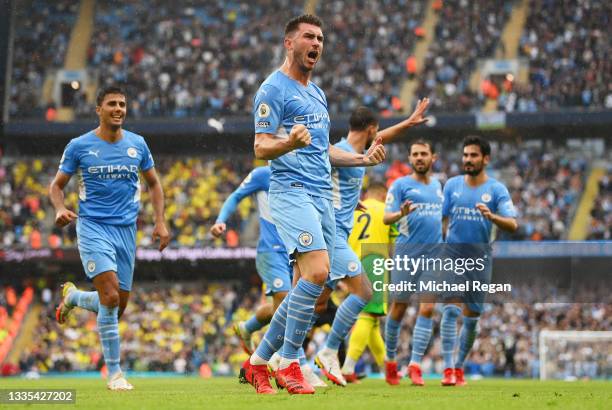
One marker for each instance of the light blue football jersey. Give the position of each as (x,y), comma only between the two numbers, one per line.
(346,188)
(281,103)
(109,184)
(424,224)
(466,223)
(257,183)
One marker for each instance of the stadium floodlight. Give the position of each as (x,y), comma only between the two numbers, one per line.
(572,355)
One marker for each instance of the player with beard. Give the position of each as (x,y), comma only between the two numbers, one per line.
(414,202)
(292,131)
(474,206)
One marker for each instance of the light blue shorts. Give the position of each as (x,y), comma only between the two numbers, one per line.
(275,271)
(305,223)
(345,263)
(105,248)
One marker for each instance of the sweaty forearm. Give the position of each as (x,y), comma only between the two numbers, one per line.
(157,197)
(271,147)
(506,224)
(392,217)
(56,196)
(341,158)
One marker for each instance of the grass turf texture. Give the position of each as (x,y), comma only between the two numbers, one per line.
(227,393)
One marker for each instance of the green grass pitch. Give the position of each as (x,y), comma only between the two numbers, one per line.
(227,393)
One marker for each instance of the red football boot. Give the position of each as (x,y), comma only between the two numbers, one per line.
(449,377)
(257,376)
(391,375)
(293,380)
(415,374)
(460,377)
(351,378)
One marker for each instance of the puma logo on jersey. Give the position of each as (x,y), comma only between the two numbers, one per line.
(94,153)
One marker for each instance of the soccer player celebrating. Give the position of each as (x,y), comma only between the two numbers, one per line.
(415,203)
(292,130)
(370,239)
(474,204)
(346,266)
(107,160)
(271,262)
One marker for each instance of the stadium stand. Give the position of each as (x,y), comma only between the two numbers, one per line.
(466,31)
(568,48)
(188,58)
(545,184)
(181,327)
(41,39)
(367,45)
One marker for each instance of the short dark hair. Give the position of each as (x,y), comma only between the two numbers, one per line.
(293,24)
(422,141)
(485,147)
(376,186)
(362,118)
(113,89)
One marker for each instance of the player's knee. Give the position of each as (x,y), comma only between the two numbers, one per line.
(365,293)
(426,310)
(319,276)
(109,297)
(398,310)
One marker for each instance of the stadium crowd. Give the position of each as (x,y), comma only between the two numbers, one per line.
(182,327)
(466,31)
(367,45)
(545,184)
(42,32)
(568,47)
(205,59)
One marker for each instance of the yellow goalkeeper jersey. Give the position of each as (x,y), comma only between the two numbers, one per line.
(368,228)
(371,239)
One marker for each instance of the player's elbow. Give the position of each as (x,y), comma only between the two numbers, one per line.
(387,220)
(514,226)
(511,226)
(260,152)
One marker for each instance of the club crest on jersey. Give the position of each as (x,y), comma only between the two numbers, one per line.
(353,266)
(132,153)
(263,110)
(485,197)
(91,266)
(278,282)
(305,239)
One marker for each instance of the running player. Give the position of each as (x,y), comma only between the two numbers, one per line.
(414,202)
(271,261)
(474,205)
(370,239)
(346,266)
(292,130)
(107,160)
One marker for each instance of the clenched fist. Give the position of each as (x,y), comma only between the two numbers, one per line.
(64,216)
(299,137)
(376,153)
